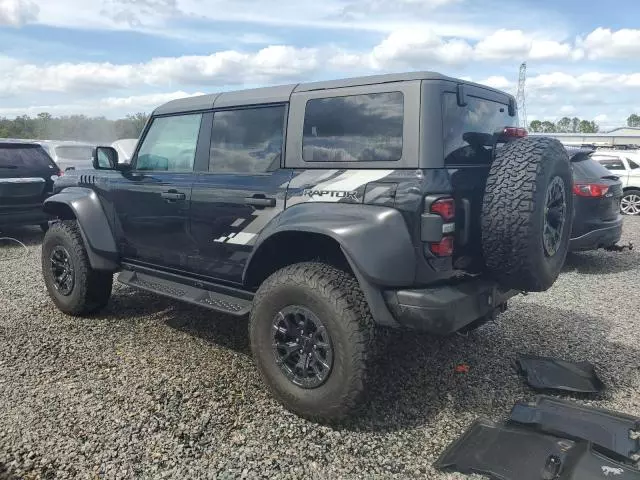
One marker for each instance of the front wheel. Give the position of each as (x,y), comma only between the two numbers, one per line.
(630,202)
(73,285)
(311,332)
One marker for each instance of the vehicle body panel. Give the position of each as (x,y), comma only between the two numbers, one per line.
(27,176)
(597,221)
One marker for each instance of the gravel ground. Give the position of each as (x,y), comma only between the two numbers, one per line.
(151,388)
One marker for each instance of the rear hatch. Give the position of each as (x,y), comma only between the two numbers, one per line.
(26,173)
(469,138)
(597,191)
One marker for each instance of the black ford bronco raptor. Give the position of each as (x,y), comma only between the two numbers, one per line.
(320,210)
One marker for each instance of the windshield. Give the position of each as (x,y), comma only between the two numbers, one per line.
(75,152)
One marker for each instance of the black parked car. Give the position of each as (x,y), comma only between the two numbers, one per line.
(27,174)
(597,193)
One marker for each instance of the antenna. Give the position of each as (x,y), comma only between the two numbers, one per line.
(520,100)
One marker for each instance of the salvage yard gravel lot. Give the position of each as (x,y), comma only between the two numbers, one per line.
(151,388)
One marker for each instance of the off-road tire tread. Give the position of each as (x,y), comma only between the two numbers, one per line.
(508,210)
(342,291)
(93,286)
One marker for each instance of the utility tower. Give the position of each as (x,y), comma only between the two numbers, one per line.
(520,99)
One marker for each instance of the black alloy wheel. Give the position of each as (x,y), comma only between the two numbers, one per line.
(62,270)
(302,346)
(555,213)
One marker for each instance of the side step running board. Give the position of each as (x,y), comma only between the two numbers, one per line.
(219,302)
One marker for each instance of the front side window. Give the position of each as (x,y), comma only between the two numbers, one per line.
(469,130)
(170,144)
(356,128)
(247,141)
(611,163)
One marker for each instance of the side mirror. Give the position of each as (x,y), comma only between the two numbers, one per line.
(105,158)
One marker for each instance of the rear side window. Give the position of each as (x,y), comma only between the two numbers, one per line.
(632,165)
(79,152)
(247,141)
(611,163)
(170,144)
(25,157)
(588,169)
(468,130)
(355,128)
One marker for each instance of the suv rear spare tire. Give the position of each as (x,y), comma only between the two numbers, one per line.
(527,213)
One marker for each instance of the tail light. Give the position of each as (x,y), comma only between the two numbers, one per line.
(444,248)
(515,132)
(593,190)
(446,209)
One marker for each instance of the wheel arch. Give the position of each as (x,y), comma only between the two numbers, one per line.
(83,205)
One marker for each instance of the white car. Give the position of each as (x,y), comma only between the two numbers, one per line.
(626,165)
(68,154)
(125,148)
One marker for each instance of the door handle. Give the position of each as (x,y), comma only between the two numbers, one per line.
(173,195)
(260,201)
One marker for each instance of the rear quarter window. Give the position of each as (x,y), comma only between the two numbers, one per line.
(468,129)
(611,163)
(354,128)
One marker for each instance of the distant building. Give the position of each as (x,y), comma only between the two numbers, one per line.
(623,137)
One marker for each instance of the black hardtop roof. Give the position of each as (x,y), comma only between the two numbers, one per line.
(282,93)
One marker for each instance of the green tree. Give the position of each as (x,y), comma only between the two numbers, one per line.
(535,126)
(564,125)
(549,127)
(587,126)
(633,120)
(575,125)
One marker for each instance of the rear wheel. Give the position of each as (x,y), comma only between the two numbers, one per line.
(73,285)
(311,332)
(630,202)
(527,213)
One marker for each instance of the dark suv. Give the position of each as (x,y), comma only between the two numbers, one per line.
(27,174)
(321,210)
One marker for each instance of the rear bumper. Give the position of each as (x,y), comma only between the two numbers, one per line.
(446,309)
(27,215)
(608,234)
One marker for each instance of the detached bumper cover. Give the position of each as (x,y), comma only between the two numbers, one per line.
(446,309)
(609,234)
(516,453)
(613,431)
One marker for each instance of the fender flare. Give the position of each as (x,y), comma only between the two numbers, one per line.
(374,239)
(94,227)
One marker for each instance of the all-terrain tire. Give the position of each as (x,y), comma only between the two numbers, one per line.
(335,297)
(514,212)
(91,288)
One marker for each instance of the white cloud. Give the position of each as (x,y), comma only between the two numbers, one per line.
(550,50)
(602,118)
(504,44)
(498,82)
(18,12)
(418,47)
(109,106)
(567,110)
(605,43)
(270,64)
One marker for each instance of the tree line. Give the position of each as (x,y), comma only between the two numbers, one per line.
(575,125)
(44,126)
